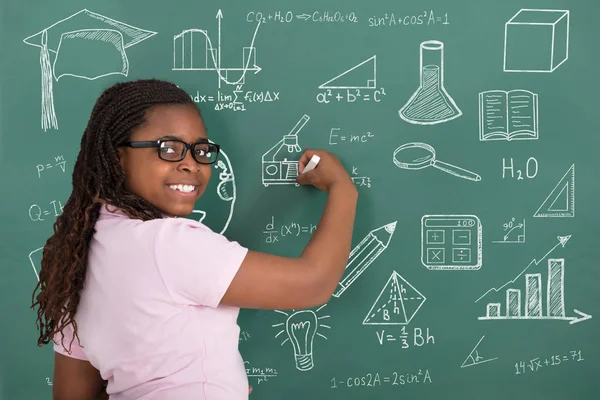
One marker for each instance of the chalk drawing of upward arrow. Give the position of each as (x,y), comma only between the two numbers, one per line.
(562,240)
(219,18)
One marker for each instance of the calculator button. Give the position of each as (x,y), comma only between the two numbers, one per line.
(435,236)
(436,255)
(461,237)
(461,255)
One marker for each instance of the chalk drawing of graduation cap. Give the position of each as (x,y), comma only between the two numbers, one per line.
(84,45)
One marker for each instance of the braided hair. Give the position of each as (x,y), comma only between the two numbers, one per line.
(98,178)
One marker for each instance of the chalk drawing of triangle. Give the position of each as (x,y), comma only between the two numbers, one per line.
(361,76)
(561,200)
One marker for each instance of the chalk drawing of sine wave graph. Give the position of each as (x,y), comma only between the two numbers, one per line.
(193,50)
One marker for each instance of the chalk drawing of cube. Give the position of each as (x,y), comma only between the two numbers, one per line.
(536,40)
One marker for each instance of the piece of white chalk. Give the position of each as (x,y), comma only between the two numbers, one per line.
(312,163)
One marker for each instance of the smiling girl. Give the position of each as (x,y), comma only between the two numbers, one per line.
(146,302)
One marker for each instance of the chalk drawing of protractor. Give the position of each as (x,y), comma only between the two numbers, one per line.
(363,255)
(193,50)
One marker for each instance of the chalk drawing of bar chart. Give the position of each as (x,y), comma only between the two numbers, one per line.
(524,299)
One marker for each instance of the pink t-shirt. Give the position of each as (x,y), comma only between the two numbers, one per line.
(149,317)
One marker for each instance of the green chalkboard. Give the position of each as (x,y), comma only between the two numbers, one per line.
(466,125)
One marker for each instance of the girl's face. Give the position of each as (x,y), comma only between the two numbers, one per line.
(157,180)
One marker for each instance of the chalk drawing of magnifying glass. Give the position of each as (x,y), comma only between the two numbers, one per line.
(421,155)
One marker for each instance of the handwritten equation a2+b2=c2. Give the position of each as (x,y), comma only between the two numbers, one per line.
(273,232)
(357,83)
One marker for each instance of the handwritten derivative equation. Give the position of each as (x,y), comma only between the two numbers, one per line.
(274,232)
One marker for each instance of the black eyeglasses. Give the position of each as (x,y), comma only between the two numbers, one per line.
(203,151)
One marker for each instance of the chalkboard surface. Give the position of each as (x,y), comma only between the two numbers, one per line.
(466,126)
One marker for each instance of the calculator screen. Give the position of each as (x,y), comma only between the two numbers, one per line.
(451,242)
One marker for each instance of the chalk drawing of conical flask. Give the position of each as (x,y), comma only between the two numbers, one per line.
(430,104)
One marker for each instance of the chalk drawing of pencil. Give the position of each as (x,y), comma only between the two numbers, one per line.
(364,254)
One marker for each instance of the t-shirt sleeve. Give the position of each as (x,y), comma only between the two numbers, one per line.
(196,264)
(63,346)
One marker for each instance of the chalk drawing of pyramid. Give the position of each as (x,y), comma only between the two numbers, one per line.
(397,303)
(361,76)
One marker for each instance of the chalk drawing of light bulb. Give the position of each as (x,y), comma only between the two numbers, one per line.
(301,328)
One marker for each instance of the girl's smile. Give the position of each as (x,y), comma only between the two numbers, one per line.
(184,189)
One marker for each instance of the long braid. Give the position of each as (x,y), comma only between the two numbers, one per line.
(98,177)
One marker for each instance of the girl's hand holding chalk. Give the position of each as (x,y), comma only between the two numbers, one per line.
(314,161)
(330,171)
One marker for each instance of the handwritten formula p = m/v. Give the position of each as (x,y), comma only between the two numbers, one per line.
(363,255)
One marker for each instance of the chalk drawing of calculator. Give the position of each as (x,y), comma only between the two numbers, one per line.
(451,242)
